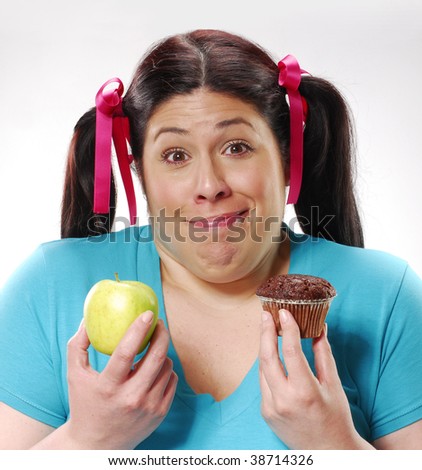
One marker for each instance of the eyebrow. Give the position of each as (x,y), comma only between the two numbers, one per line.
(173,130)
(220,125)
(233,122)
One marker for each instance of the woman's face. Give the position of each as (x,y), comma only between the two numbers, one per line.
(215,184)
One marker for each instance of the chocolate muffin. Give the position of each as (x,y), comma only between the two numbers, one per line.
(307,298)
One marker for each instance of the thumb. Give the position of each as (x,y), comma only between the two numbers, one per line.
(77,354)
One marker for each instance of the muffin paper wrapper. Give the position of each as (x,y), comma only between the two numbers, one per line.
(309,315)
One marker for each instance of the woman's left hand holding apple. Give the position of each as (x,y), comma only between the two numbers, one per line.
(121,406)
(304,410)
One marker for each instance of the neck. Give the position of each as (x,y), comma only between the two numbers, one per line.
(230,293)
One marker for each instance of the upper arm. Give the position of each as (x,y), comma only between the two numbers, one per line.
(31,365)
(407,438)
(18,431)
(396,411)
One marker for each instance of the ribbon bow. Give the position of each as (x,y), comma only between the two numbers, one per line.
(289,77)
(111,124)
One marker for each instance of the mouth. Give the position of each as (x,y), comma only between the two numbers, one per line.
(219,221)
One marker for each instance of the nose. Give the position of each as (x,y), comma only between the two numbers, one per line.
(211,185)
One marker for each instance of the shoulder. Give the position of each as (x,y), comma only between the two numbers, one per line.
(72,261)
(55,279)
(362,277)
(126,239)
(93,253)
(353,262)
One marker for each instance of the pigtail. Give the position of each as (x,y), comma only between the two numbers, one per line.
(77,217)
(327,206)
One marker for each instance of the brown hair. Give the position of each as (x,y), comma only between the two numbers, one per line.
(230,64)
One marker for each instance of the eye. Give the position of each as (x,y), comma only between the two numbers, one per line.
(237,147)
(174,156)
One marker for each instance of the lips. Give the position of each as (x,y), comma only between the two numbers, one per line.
(219,221)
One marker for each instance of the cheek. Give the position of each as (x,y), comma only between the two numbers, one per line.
(159,192)
(265,184)
(158,196)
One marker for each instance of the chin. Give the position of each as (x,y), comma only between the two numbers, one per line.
(219,263)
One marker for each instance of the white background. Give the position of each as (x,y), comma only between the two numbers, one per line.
(271,460)
(54,55)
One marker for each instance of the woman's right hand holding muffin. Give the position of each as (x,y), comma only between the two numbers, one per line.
(305,411)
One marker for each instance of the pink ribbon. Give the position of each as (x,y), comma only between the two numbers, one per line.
(289,78)
(111,124)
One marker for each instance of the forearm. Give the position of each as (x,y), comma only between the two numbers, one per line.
(62,439)
(358,443)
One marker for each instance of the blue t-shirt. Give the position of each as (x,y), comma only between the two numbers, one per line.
(374,327)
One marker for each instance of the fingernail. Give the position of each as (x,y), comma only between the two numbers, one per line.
(265,316)
(81,324)
(147,317)
(284,316)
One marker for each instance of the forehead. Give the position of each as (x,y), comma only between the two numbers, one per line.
(203,108)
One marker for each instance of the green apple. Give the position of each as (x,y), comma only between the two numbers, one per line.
(111,306)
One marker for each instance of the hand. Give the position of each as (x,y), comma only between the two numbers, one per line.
(126,402)
(305,411)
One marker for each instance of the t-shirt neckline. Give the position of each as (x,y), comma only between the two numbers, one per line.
(248,391)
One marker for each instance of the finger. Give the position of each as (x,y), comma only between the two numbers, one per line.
(325,365)
(121,361)
(265,388)
(77,354)
(269,359)
(161,381)
(298,370)
(170,391)
(149,367)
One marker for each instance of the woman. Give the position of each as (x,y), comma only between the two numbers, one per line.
(213,140)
